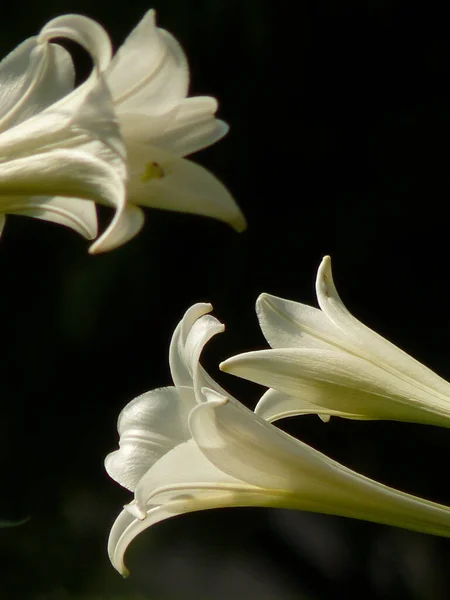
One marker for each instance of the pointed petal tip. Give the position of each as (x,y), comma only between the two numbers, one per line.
(324,280)
(325,418)
(239,223)
(227,366)
(262,301)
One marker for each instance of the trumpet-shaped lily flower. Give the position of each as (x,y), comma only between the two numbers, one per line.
(52,135)
(327,362)
(192,447)
(56,144)
(149,79)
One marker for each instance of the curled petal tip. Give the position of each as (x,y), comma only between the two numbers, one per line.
(214,398)
(136,511)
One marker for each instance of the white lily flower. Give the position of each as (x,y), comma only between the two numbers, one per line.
(149,79)
(57,145)
(327,362)
(192,447)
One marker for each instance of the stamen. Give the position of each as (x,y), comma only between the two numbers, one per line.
(152,170)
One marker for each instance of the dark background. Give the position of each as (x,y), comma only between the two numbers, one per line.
(340,121)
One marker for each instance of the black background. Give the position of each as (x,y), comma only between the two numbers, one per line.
(340,121)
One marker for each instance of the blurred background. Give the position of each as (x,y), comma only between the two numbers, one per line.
(340,121)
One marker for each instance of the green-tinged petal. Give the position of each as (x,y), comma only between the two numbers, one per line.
(248,448)
(149,70)
(79,215)
(149,426)
(339,382)
(161,180)
(370,345)
(32,77)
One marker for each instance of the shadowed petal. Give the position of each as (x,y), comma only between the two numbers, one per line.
(161,180)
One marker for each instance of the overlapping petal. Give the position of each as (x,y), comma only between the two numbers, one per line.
(190,448)
(329,359)
(149,80)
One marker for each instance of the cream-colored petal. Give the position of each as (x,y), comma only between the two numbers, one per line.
(149,426)
(287,324)
(180,364)
(185,466)
(125,225)
(248,448)
(149,70)
(93,38)
(370,345)
(84,31)
(185,129)
(189,338)
(32,77)
(80,215)
(275,405)
(340,382)
(161,180)
(170,135)
(182,501)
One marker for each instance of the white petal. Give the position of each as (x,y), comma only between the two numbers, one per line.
(287,324)
(241,444)
(79,215)
(128,526)
(189,338)
(249,449)
(32,77)
(183,467)
(84,31)
(149,70)
(94,169)
(193,128)
(125,225)
(182,131)
(179,185)
(340,382)
(180,367)
(64,172)
(370,345)
(93,38)
(275,405)
(149,426)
